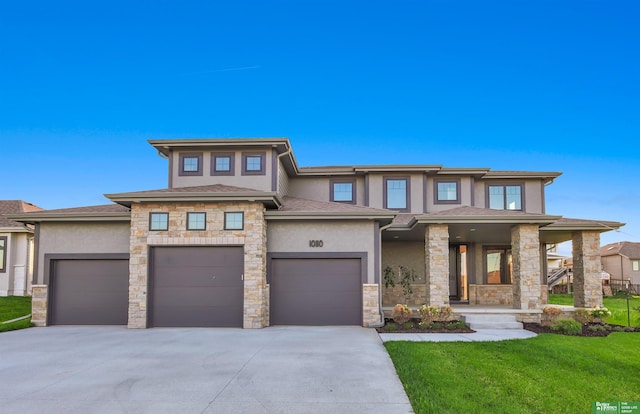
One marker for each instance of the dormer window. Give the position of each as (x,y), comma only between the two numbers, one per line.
(222,163)
(191,164)
(253,163)
(343,191)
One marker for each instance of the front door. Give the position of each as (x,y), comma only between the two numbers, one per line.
(458,285)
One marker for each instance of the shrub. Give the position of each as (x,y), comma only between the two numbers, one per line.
(408,326)
(430,313)
(567,326)
(597,328)
(550,315)
(598,313)
(436,325)
(583,316)
(423,325)
(401,313)
(390,327)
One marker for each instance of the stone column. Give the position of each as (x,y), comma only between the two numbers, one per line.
(436,249)
(587,279)
(39,304)
(525,251)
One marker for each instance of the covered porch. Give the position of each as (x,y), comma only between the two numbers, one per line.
(477,260)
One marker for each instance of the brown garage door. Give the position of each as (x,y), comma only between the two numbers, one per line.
(313,291)
(197,286)
(89,292)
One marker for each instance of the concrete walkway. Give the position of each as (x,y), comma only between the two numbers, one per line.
(479,335)
(197,370)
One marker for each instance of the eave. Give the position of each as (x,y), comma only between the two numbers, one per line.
(270,199)
(33,218)
(316,215)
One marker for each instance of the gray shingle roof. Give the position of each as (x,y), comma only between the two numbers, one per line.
(216,188)
(301,204)
(103,208)
(625,248)
(15,207)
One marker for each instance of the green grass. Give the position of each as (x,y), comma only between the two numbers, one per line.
(545,374)
(12,307)
(616,304)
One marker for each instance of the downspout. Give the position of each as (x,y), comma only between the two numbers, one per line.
(287,152)
(381,324)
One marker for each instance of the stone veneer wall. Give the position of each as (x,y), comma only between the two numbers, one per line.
(437,264)
(525,248)
(490,294)
(587,279)
(253,238)
(370,305)
(39,304)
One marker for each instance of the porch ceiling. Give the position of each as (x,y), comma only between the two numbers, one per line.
(498,233)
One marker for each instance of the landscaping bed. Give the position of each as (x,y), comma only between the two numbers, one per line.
(588,329)
(414,326)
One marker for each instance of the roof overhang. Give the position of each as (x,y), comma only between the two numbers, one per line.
(269,199)
(540,220)
(319,215)
(33,218)
(15,229)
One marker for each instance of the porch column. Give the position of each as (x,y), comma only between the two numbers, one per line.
(436,239)
(587,279)
(525,250)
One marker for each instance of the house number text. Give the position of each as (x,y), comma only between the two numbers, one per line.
(315,243)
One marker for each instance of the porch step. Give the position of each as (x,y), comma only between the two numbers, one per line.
(491,321)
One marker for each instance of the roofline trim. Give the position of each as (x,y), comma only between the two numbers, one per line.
(77,216)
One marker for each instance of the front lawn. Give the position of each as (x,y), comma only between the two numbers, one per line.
(545,374)
(12,307)
(616,304)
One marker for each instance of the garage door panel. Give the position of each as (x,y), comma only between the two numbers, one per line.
(197,286)
(314,291)
(90,292)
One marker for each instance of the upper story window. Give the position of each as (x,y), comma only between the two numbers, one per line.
(635,265)
(447,192)
(159,221)
(3,253)
(196,221)
(222,163)
(234,221)
(396,193)
(505,197)
(191,164)
(343,191)
(253,163)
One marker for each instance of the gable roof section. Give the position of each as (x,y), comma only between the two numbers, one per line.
(10,207)
(468,214)
(627,249)
(202,193)
(300,208)
(105,212)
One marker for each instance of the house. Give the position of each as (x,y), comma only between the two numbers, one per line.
(622,261)
(16,249)
(242,236)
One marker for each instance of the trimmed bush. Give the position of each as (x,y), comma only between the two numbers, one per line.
(550,314)
(583,316)
(567,326)
(401,313)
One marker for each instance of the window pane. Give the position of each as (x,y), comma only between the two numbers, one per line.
(494,263)
(397,194)
(233,221)
(222,163)
(496,197)
(159,221)
(3,248)
(196,221)
(342,191)
(447,192)
(254,163)
(514,199)
(190,164)
(636,265)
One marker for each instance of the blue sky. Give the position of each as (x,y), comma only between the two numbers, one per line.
(512,85)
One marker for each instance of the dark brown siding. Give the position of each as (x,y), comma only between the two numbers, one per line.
(197,286)
(309,291)
(89,292)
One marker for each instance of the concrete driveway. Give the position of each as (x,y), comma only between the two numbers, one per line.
(194,370)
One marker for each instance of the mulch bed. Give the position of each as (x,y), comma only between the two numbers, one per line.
(445,327)
(589,329)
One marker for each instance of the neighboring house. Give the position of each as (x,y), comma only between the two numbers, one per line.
(16,249)
(622,261)
(243,236)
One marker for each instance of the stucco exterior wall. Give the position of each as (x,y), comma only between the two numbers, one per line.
(81,237)
(256,182)
(319,188)
(15,280)
(283,180)
(416,194)
(337,236)
(533,199)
